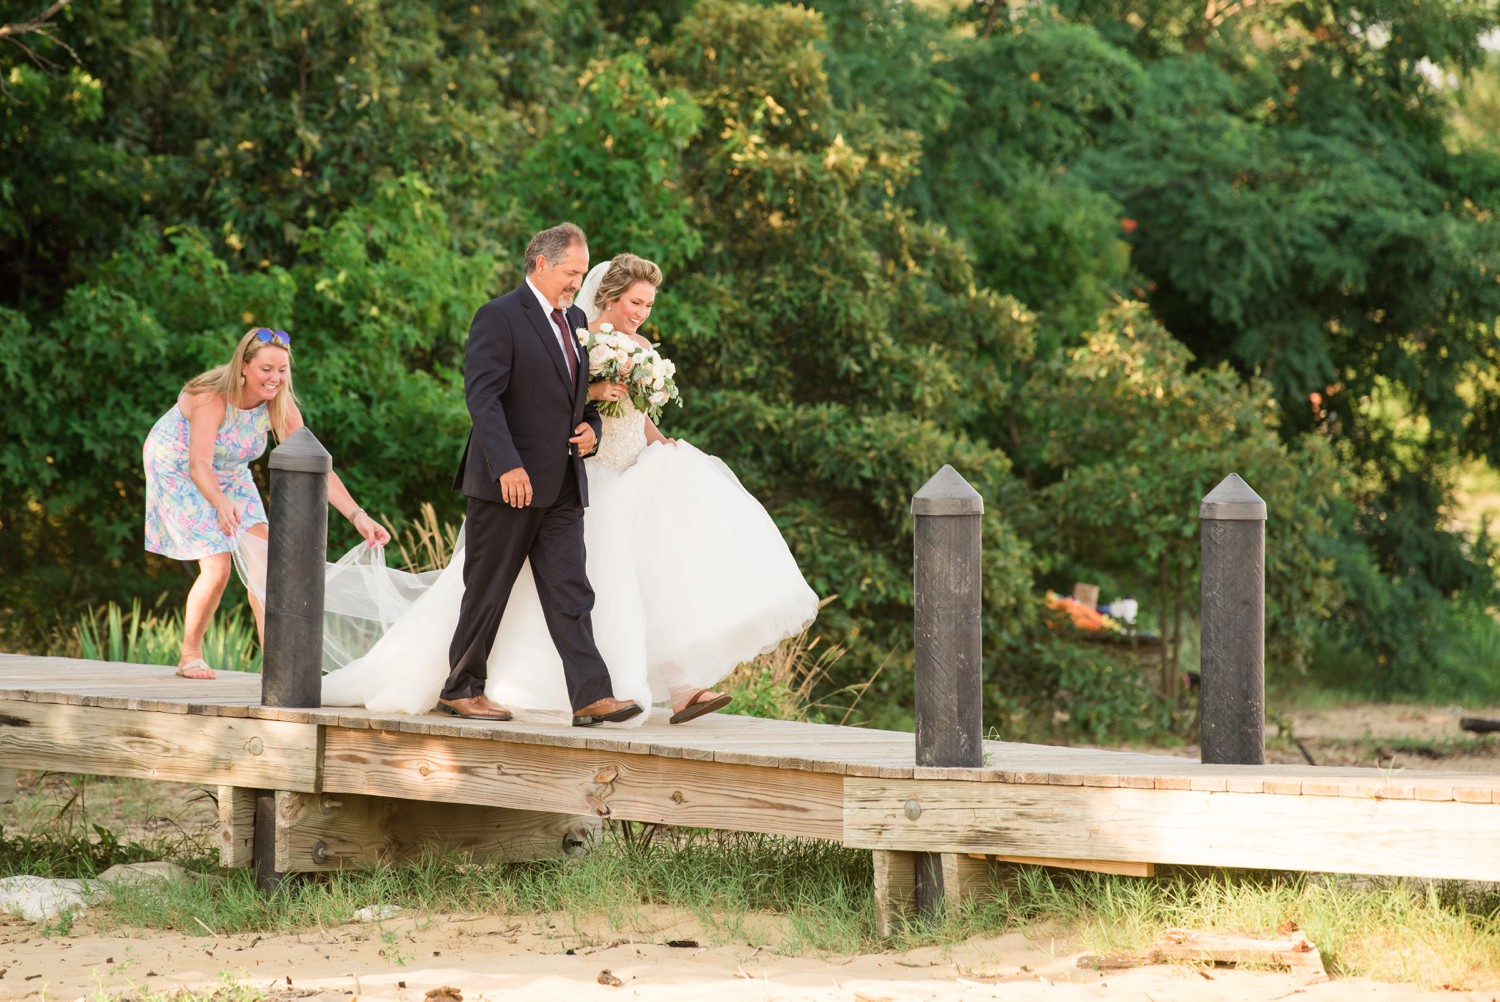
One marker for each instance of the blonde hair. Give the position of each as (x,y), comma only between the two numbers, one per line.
(624,271)
(227,381)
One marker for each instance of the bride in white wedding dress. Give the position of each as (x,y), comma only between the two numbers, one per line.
(690,574)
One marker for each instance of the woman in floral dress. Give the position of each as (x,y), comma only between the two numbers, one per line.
(199,492)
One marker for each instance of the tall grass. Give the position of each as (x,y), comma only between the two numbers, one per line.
(781,684)
(149,637)
(77,854)
(802,895)
(789,683)
(1465,668)
(1469,662)
(425,544)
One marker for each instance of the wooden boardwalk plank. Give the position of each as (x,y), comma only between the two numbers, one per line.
(585,781)
(1369,835)
(148,745)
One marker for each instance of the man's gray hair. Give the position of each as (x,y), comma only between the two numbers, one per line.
(553,243)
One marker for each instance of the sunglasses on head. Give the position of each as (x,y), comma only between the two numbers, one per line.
(268,336)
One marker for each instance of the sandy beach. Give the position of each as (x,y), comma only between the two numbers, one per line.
(413,957)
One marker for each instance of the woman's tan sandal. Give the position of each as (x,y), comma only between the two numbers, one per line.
(694,709)
(196,668)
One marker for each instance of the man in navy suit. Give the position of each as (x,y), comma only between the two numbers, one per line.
(526,384)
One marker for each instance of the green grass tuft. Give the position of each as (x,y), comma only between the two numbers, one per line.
(150,637)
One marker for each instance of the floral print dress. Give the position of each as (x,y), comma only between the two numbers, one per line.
(180,523)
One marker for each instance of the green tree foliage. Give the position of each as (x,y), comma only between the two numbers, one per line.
(1478,119)
(612,158)
(256,120)
(1154,438)
(1294,208)
(1001,118)
(806,332)
(380,302)
(1301,217)
(61,194)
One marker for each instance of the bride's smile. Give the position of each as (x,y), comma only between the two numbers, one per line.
(632,308)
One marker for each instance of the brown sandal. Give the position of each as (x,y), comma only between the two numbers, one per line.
(694,709)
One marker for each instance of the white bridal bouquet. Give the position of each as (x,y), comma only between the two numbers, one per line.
(616,357)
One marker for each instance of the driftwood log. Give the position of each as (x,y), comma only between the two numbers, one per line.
(1294,952)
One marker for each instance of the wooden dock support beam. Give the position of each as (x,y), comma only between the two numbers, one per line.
(960,877)
(236,827)
(268,878)
(314,832)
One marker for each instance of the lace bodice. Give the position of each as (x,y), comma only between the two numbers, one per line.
(621,441)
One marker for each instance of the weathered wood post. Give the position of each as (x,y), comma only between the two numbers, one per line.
(1232,670)
(947,586)
(292,657)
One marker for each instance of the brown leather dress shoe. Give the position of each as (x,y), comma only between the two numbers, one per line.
(474,707)
(605,711)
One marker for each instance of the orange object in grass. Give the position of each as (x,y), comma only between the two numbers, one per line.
(1082,616)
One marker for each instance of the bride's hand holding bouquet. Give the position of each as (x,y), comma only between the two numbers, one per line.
(647,379)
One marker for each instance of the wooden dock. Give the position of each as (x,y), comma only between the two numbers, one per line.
(354,787)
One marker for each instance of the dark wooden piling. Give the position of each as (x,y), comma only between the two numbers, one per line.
(1232,672)
(947,596)
(292,662)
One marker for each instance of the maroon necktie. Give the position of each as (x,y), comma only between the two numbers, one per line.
(567,344)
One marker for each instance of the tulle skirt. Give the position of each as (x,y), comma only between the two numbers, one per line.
(691,577)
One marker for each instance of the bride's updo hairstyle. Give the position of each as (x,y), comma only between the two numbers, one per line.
(624,271)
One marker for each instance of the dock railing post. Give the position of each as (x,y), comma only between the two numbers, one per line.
(292,658)
(292,672)
(947,587)
(1232,670)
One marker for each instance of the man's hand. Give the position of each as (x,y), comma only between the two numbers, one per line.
(515,487)
(583,437)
